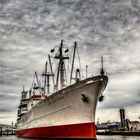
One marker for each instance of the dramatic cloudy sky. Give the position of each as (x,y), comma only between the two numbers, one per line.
(109,28)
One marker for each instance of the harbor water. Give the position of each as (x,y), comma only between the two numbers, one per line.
(98,138)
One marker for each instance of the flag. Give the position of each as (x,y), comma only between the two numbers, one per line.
(66,50)
(52,50)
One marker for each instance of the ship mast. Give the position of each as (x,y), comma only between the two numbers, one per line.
(35,85)
(51,70)
(75,45)
(61,65)
(24,94)
(36,80)
(47,75)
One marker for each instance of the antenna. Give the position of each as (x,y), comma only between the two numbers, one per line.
(102,68)
(86,70)
(23,88)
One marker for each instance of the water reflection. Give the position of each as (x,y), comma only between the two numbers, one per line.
(98,138)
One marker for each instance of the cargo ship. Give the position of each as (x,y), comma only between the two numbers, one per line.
(66,112)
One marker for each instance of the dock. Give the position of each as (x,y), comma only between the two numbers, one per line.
(7,130)
(123,133)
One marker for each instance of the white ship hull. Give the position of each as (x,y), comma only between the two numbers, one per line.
(68,113)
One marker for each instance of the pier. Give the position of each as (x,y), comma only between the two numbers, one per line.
(7,129)
(125,127)
(123,133)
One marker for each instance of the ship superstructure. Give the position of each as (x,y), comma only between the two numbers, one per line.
(68,112)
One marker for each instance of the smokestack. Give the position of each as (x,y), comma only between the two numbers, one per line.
(122,117)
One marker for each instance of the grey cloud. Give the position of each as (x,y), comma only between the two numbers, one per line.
(8,103)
